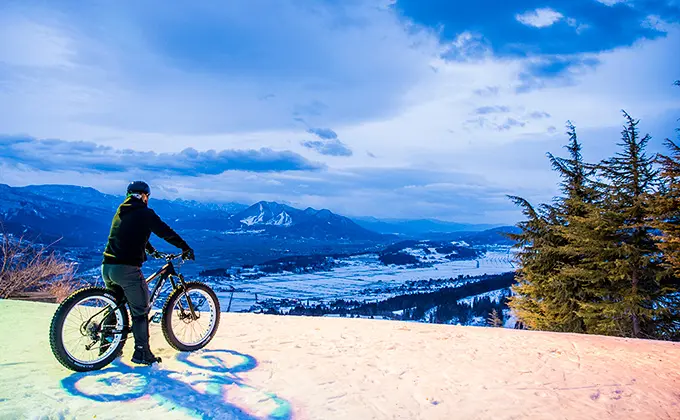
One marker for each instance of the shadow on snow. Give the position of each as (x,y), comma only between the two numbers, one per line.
(205,388)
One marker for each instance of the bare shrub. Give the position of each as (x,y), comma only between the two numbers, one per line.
(25,267)
(60,289)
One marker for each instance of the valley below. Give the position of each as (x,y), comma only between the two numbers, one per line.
(360,278)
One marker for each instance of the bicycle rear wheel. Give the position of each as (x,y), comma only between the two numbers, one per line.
(86,332)
(184,331)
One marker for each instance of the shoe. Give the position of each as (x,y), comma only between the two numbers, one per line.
(140,331)
(143,356)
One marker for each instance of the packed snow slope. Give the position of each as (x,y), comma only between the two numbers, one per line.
(261,366)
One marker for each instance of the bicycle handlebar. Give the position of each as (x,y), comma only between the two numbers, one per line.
(169,257)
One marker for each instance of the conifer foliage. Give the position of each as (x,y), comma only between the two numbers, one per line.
(604,256)
(624,297)
(666,210)
(544,296)
(667,205)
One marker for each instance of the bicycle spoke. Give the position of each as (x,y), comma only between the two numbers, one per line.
(190,331)
(75,342)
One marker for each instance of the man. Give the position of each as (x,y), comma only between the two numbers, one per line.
(124,255)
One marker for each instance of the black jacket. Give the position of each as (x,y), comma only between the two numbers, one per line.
(130,231)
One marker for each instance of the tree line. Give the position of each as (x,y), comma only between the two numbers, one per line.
(604,256)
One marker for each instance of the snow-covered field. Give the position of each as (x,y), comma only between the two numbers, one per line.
(359,273)
(276,367)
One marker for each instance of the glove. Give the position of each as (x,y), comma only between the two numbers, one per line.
(188,254)
(152,251)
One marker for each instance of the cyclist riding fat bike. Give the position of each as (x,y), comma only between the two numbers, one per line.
(124,255)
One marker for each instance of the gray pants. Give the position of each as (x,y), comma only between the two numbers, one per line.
(129,281)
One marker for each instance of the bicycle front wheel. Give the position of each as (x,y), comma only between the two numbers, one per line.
(191,316)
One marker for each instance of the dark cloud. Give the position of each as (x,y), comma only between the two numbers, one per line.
(491,110)
(332,147)
(60,155)
(329,144)
(323,133)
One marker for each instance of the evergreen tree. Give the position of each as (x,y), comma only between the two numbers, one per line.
(666,209)
(530,299)
(592,242)
(624,289)
(604,258)
(667,206)
(576,186)
(579,200)
(547,294)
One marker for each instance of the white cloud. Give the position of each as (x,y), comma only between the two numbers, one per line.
(580,27)
(31,44)
(612,2)
(657,23)
(540,18)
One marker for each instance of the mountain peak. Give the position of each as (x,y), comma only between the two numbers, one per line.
(308,223)
(266,213)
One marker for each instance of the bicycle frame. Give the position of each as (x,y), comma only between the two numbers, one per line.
(166,272)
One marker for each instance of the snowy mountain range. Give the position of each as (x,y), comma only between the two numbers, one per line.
(282,220)
(82,216)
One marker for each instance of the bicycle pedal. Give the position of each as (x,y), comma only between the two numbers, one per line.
(156,319)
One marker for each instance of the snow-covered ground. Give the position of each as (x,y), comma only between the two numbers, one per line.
(359,273)
(276,367)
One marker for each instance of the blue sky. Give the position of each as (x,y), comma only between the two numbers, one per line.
(407,108)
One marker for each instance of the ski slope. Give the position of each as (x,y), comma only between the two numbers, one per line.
(276,367)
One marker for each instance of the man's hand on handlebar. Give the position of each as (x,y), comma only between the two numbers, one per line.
(185,255)
(188,255)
